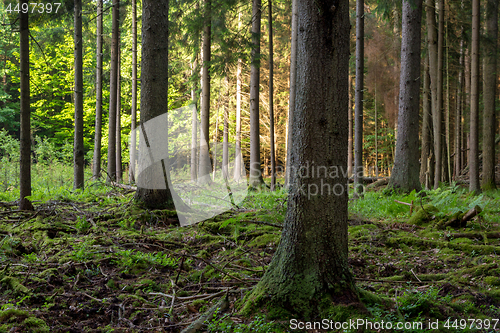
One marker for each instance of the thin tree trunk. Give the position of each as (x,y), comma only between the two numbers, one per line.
(426,125)
(133,143)
(225,136)
(458,111)
(204,160)
(309,270)
(78,150)
(25,137)
(474,102)
(238,157)
(489,95)
(350,139)
(255,169)
(440,85)
(119,171)
(466,110)
(358,108)
(96,167)
(433,70)
(293,83)
(271,93)
(112,92)
(405,174)
(194,127)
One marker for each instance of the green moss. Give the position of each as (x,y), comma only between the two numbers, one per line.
(264,240)
(492,280)
(12,314)
(13,284)
(423,216)
(462,240)
(36,325)
(362,230)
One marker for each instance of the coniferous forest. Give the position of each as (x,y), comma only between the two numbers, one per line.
(249,166)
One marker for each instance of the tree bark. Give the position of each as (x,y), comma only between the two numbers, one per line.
(291,100)
(204,160)
(358,108)
(426,125)
(255,169)
(119,171)
(443,165)
(25,137)
(225,135)
(432,39)
(154,89)
(133,142)
(194,127)
(474,102)
(350,139)
(96,166)
(309,270)
(458,112)
(271,93)
(78,149)
(489,95)
(405,174)
(238,163)
(112,92)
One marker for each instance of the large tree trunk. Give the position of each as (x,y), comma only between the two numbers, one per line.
(426,127)
(309,270)
(133,143)
(271,93)
(25,137)
(489,95)
(204,160)
(154,92)
(112,92)
(474,102)
(440,102)
(432,39)
(358,108)
(293,84)
(96,162)
(405,174)
(78,153)
(255,170)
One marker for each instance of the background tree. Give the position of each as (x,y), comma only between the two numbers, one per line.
(133,111)
(309,269)
(113,84)
(489,94)
(271,92)
(358,104)
(96,163)
(25,137)
(118,147)
(474,102)
(292,89)
(78,151)
(405,174)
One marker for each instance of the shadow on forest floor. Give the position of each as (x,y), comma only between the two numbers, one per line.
(104,265)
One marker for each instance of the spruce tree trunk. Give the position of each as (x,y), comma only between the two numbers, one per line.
(432,39)
(133,143)
(204,160)
(25,137)
(112,92)
(426,126)
(238,163)
(405,174)
(489,94)
(350,139)
(255,170)
(119,171)
(96,161)
(474,102)
(466,110)
(458,112)
(194,126)
(271,93)
(225,136)
(358,108)
(78,153)
(154,90)
(293,83)
(310,270)
(440,86)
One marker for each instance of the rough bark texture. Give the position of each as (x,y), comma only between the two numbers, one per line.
(474,102)
(78,153)
(426,126)
(309,270)
(458,112)
(96,161)
(405,174)
(255,170)
(350,140)
(133,151)
(432,39)
(154,85)
(439,124)
(194,127)
(225,136)
(358,108)
(204,166)
(112,93)
(119,171)
(25,137)
(489,95)
(238,158)
(293,81)
(271,93)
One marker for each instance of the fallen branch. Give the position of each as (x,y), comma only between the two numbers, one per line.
(221,306)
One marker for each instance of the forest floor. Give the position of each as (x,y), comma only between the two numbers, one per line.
(97,263)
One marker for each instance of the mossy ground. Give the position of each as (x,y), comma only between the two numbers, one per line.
(95,262)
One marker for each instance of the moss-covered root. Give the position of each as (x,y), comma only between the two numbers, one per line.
(423,216)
